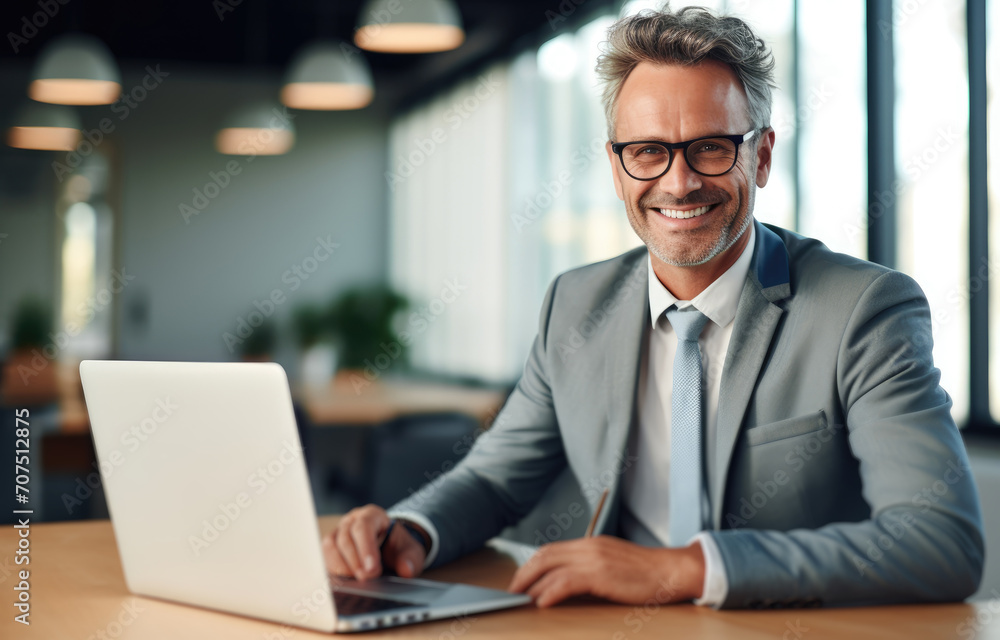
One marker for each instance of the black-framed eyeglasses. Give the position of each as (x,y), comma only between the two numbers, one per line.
(709,156)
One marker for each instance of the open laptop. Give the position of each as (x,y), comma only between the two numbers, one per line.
(211,506)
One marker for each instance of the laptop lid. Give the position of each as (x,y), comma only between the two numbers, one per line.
(207,488)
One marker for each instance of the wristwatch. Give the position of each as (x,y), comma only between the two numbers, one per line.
(418,533)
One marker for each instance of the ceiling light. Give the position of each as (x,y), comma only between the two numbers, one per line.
(259,129)
(328,75)
(45,127)
(414,26)
(75,69)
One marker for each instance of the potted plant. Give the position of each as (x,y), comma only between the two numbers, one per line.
(318,351)
(362,319)
(259,346)
(29,376)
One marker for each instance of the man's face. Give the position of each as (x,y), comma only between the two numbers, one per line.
(674,103)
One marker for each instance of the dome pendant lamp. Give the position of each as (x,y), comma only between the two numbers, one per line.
(45,127)
(413,26)
(75,69)
(258,129)
(328,75)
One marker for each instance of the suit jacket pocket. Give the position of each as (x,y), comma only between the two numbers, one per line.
(789,428)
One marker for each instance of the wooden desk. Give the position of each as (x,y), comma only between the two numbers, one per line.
(78,592)
(351,400)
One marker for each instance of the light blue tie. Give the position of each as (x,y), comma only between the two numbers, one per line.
(686,479)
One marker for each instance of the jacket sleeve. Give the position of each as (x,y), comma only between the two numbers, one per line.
(924,538)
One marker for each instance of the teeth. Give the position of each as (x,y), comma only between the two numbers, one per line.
(684,215)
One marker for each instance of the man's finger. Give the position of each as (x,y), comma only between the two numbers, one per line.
(334,562)
(529,573)
(557,585)
(545,559)
(365,541)
(406,566)
(404,554)
(345,544)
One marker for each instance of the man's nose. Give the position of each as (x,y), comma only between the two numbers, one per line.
(680,180)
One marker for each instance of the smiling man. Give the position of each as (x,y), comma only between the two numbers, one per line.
(787,438)
(694,218)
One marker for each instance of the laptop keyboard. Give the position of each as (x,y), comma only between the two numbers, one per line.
(350,604)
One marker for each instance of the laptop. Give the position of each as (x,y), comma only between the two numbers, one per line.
(211,506)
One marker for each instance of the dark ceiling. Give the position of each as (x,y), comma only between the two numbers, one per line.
(263,35)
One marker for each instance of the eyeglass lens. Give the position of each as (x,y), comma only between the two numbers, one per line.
(711,156)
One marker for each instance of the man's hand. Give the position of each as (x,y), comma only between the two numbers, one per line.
(613,569)
(352,549)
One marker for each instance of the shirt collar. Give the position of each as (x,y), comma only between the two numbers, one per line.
(718,301)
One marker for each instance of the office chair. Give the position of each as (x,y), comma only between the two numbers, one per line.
(406,453)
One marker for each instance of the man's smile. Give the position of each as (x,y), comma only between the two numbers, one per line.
(684,214)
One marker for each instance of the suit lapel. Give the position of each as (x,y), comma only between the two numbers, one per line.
(756,319)
(625,344)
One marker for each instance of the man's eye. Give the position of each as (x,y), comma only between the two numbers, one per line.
(649,150)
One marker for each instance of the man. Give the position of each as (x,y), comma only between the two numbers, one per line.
(821,466)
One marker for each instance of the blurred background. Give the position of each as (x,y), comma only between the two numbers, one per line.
(380,207)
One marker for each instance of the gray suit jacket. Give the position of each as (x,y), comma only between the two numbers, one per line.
(837,475)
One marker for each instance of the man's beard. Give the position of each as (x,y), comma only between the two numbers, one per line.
(728,235)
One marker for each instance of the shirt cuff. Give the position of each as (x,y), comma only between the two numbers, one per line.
(716,583)
(423,521)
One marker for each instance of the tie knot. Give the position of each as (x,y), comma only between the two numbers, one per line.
(687,323)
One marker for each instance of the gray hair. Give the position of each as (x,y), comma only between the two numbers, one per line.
(687,37)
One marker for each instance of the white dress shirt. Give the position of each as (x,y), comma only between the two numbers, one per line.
(647,482)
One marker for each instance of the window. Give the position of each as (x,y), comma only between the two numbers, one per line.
(552,205)
(448,226)
(773,20)
(832,125)
(989,272)
(932,167)
(84,320)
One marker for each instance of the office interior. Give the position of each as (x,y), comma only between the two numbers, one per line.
(392,253)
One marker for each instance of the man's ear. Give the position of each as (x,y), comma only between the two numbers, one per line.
(613,159)
(764,149)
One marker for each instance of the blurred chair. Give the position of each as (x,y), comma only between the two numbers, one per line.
(303,426)
(406,453)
